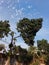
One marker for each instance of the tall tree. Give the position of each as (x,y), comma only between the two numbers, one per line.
(28,29)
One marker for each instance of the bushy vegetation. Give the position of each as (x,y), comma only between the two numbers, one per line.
(28,29)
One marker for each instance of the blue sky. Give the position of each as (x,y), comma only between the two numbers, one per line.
(13,10)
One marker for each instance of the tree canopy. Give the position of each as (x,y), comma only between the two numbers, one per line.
(43,45)
(28,29)
(4,28)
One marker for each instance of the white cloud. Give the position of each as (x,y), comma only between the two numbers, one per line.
(13,7)
(22,9)
(12,16)
(19,11)
(29,6)
(9,6)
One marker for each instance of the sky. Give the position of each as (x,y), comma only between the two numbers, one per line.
(14,10)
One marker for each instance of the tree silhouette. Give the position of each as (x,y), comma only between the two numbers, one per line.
(28,29)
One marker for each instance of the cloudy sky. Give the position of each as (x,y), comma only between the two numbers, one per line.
(14,10)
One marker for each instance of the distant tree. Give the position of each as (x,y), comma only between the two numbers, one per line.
(43,45)
(28,29)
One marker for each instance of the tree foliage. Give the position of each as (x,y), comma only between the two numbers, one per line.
(43,45)
(28,29)
(4,28)
(32,50)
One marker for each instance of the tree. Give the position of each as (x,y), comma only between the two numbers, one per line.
(28,29)
(24,57)
(43,45)
(4,28)
(33,51)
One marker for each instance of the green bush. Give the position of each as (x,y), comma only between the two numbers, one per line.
(36,63)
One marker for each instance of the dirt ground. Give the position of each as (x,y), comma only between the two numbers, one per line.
(42,64)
